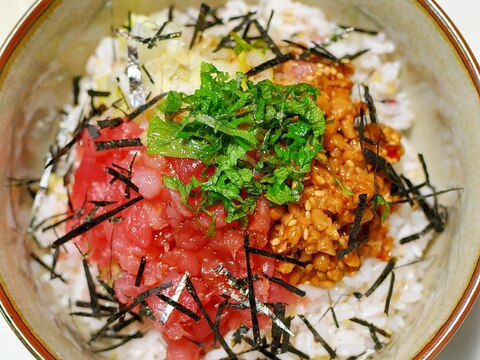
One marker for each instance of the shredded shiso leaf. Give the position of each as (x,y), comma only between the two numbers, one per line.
(259,138)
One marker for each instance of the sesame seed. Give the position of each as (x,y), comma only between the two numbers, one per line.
(275,242)
(292,222)
(308,205)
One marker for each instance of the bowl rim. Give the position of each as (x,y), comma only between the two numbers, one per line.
(433,347)
(429,350)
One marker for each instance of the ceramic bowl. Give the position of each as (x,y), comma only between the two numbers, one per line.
(51,45)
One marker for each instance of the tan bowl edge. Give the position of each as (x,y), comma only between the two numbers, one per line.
(435,344)
(472,291)
(7,308)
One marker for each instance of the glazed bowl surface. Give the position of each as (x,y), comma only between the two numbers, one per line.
(51,46)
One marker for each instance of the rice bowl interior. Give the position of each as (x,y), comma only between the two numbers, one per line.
(439,147)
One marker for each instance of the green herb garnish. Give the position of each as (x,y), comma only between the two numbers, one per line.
(380,200)
(259,139)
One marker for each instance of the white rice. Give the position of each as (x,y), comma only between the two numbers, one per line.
(174,67)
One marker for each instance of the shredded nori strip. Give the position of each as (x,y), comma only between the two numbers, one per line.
(202,24)
(107,288)
(145,106)
(105,310)
(64,150)
(361,123)
(285,285)
(138,335)
(141,269)
(251,293)
(158,36)
(269,64)
(102,203)
(164,37)
(53,274)
(179,307)
(418,235)
(91,287)
(381,164)
(436,217)
(193,293)
(321,51)
(176,297)
(261,349)
(124,179)
(388,268)
(275,256)
(356,357)
(418,197)
(27,183)
(96,93)
(79,230)
(268,40)
(111,123)
(123,342)
(297,352)
(353,240)
(277,332)
(54,225)
(90,315)
(237,306)
(376,160)
(390,293)
(318,338)
(76,89)
(227,40)
(359,30)
(234,282)
(331,308)
(147,311)
(373,331)
(218,316)
(286,335)
(129,175)
(13,181)
(239,334)
(138,300)
(372,111)
(269,21)
(117,144)
(149,41)
(86,304)
(128,27)
(354,55)
(55,255)
(122,325)
(149,76)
